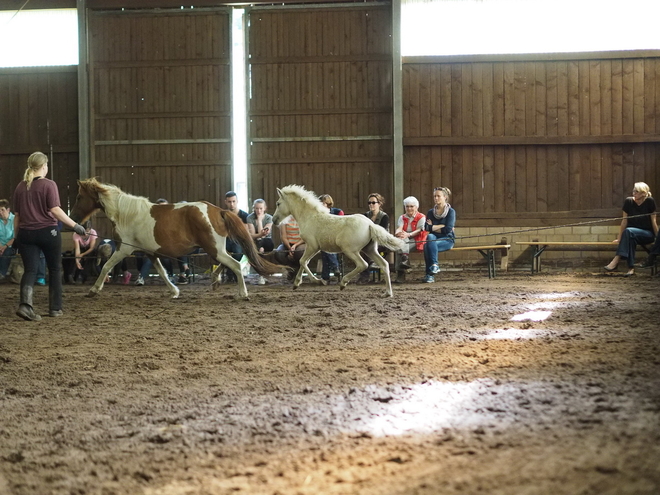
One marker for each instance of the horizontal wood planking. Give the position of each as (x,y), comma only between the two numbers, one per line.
(321,102)
(174,183)
(39,112)
(532,179)
(531,136)
(160,84)
(542,99)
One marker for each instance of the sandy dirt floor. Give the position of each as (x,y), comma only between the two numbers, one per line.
(447,388)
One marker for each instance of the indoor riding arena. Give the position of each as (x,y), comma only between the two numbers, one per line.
(524,368)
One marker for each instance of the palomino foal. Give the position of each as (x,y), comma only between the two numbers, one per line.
(321,231)
(171,230)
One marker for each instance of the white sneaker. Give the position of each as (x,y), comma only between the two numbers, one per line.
(261,281)
(139,281)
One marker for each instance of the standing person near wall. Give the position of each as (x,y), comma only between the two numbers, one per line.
(36,212)
(440,221)
(6,237)
(640,229)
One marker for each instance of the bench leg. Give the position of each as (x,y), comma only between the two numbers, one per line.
(489,255)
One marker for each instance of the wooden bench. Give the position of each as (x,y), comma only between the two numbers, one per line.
(538,248)
(487,251)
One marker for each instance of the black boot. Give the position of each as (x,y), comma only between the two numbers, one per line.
(25,309)
(649,263)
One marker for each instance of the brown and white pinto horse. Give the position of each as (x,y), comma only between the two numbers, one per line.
(171,230)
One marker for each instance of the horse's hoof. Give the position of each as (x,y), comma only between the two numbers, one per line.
(342,287)
(324,282)
(295,287)
(92,293)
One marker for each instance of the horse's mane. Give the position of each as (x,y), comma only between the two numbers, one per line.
(120,206)
(305,196)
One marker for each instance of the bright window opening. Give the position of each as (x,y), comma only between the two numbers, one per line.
(239,124)
(479,27)
(33,38)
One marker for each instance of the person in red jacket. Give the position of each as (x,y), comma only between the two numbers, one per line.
(410,228)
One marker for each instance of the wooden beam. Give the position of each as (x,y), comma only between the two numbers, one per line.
(531,57)
(529,140)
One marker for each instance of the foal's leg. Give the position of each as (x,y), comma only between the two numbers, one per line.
(174,290)
(235,267)
(360,266)
(372,251)
(115,259)
(309,253)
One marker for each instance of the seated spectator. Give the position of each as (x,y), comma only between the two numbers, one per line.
(260,226)
(440,221)
(104,251)
(640,228)
(234,248)
(292,246)
(376,202)
(84,248)
(410,228)
(330,260)
(6,237)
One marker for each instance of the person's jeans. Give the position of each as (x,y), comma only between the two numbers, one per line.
(5,259)
(629,240)
(31,244)
(435,244)
(235,251)
(330,263)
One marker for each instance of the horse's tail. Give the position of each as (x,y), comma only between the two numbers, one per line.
(237,232)
(385,239)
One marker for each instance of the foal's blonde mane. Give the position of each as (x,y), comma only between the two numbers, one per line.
(120,206)
(303,195)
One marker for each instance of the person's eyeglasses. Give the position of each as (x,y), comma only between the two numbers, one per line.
(373,202)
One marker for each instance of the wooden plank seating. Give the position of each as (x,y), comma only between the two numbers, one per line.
(539,247)
(487,251)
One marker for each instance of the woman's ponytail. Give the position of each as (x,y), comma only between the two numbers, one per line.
(35,161)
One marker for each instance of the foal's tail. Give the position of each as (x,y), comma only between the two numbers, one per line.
(237,232)
(385,239)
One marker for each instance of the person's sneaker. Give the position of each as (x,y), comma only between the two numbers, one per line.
(434,269)
(127,278)
(649,263)
(429,279)
(139,281)
(182,280)
(55,313)
(41,281)
(27,313)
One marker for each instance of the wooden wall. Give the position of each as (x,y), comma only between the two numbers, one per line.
(321,102)
(529,138)
(39,112)
(160,102)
